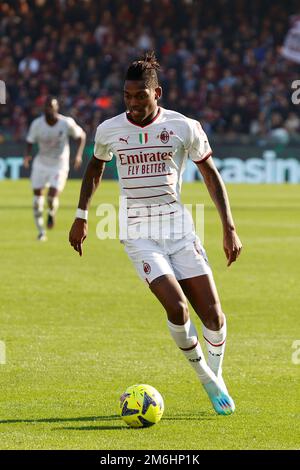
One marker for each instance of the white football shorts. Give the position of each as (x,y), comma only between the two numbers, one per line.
(45,176)
(183,258)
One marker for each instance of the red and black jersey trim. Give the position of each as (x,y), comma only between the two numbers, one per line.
(205,158)
(153,205)
(148,124)
(150,197)
(150,215)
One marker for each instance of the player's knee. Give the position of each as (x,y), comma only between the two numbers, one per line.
(215,318)
(179,313)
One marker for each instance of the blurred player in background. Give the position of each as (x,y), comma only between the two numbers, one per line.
(50,168)
(152,145)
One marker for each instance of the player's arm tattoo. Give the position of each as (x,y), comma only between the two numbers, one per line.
(90,182)
(217,191)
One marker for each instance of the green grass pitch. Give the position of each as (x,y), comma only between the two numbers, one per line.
(79,331)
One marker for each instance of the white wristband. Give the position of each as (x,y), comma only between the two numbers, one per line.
(81,214)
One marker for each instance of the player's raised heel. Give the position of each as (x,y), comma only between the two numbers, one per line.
(222,402)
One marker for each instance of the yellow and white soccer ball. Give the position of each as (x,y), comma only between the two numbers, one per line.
(141,406)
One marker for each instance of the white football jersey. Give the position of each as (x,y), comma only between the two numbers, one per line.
(53,141)
(150,161)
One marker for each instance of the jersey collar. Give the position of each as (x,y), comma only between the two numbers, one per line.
(158,114)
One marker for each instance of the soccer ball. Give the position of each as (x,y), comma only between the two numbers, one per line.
(141,406)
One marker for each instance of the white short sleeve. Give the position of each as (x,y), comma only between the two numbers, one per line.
(199,148)
(101,149)
(32,133)
(74,130)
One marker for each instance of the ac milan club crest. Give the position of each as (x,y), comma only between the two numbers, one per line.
(164,136)
(147,268)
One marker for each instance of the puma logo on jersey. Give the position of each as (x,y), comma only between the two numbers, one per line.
(123,139)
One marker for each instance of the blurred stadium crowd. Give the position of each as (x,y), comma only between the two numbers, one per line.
(220,61)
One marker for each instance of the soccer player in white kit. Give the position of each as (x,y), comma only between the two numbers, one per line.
(51,132)
(151,145)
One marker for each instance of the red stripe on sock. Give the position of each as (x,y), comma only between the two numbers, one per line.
(215,345)
(189,349)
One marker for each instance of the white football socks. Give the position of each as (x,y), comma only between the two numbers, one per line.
(185,336)
(38,208)
(215,343)
(53,204)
